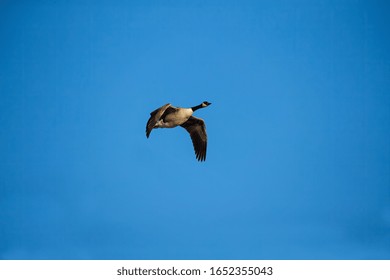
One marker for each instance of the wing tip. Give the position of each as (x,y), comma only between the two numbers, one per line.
(200,155)
(148,133)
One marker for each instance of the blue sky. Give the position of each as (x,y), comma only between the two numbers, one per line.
(298,163)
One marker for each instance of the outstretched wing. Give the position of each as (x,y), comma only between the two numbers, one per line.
(197,130)
(154,117)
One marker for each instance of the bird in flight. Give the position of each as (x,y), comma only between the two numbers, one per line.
(169,116)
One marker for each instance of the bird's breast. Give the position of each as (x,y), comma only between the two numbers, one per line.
(177,118)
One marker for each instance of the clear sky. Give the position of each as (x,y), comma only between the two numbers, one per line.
(298,162)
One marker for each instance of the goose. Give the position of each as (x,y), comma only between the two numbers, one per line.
(169,116)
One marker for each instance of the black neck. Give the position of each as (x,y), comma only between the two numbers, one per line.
(196,107)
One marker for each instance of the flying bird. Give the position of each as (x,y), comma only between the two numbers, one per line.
(169,116)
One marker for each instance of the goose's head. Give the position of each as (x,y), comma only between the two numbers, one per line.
(205,104)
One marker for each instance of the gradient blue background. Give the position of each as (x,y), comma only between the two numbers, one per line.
(298,163)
